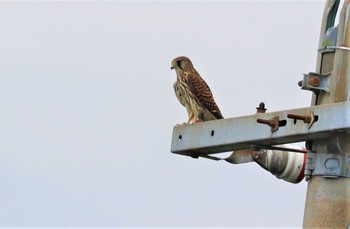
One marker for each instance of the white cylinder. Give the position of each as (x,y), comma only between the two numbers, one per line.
(285,165)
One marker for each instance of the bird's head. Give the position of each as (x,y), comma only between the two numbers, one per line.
(181,63)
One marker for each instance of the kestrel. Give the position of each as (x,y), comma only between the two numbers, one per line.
(193,92)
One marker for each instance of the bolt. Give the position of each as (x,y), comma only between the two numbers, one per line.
(269,122)
(314,81)
(273,123)
(306,118)
(307,178)
(261,108)
(300,83)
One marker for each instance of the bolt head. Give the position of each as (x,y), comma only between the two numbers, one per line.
(315,81)
(261,108)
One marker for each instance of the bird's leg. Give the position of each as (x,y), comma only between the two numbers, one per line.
(200,117)
(198,120)
(190,117)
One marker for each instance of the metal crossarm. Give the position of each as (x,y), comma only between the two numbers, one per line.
(294,125)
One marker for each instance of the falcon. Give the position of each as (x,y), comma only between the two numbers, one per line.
(193,92)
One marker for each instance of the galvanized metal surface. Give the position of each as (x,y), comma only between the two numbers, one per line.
(325,58)
(329,165)
(315,82)
(338,47)
(243,132)
(240,156)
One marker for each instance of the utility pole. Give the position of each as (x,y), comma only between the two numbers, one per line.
(324,126)
(328,192)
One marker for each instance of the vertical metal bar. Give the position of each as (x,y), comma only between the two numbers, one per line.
(322,97)
(328,199)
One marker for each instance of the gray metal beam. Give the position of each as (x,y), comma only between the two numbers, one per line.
(242,132)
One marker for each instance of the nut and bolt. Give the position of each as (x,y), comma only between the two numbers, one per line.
(261,108)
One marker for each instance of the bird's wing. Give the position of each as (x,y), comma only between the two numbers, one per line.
(202,92)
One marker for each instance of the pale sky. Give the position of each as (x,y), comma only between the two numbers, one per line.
(88,107)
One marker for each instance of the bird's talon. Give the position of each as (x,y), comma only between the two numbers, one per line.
(180,124)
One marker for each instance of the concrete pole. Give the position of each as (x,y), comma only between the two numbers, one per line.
(328,192)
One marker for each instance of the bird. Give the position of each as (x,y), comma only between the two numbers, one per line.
(193,92)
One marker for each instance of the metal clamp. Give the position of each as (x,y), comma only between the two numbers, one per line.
(328,165)
(315,82)
(335,47)
(310,165)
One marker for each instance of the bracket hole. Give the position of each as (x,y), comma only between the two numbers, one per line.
(294,121)
(212,133)
(282,123)
(316,118)
(180,138)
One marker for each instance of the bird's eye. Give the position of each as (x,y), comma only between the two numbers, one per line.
(179,63)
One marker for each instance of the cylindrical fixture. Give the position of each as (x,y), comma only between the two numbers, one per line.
(285,165)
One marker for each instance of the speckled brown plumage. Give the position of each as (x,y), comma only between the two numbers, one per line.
(193,92)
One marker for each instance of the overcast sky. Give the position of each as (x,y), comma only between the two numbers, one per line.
(87,110)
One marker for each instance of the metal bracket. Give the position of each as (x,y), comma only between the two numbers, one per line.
(310,165)
(316,82)
(335,47)
(328,165)
(246,153)
(260,147)
(239,133)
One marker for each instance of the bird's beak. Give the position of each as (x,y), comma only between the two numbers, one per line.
(172,65)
